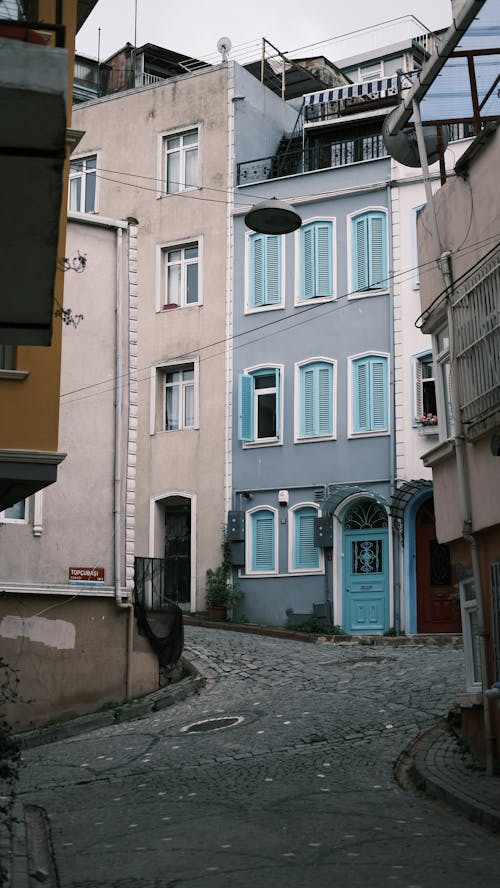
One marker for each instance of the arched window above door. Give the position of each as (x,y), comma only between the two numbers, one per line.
(365,514)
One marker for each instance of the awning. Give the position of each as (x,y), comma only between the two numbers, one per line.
(353,91)
(339,492)
(404,494)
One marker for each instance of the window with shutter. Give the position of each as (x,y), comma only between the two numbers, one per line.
(306,554)
(370,406)
(264,270)
(315,399)
(259,405)
(263,541)
(369,251)
(316,260)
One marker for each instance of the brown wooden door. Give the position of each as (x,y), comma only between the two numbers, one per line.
(435,611)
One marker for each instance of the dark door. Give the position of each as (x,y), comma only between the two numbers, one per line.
(178,553)
(436,610)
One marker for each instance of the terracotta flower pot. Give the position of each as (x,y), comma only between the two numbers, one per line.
(216,612)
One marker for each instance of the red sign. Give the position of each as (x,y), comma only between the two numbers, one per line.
(86,575)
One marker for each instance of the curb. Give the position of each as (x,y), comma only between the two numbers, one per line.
(313,638)
(423,767)
(123,712)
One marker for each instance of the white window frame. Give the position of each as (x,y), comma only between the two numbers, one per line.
(418,385)
(442,382)
(267,442)
(157,399)
(81,158)
(253,309)
(24,520)
(314,300)
(468,607)
(292,533)
(307,439)
(249,542)
(416,266)
(350,395)
(364,294)
(161,272)
(371,72)
(162,158)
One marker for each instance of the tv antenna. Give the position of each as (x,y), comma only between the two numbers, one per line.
(224,46)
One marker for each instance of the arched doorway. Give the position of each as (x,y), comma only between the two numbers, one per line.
(366,569)
(437,610)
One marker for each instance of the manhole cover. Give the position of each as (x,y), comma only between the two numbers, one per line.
(212,724)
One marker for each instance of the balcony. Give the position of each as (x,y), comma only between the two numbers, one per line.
(90,79)
(317,157)
(476,322)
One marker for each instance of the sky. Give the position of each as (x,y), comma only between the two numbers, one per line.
(193,27)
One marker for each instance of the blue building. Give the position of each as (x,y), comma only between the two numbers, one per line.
(314,461)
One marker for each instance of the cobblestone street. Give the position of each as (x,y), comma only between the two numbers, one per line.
(299,792)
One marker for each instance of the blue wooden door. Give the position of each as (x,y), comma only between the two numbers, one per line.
(366,582)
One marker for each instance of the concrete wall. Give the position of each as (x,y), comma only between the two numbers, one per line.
(70,656)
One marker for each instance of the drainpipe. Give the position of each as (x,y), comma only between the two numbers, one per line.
(396,562)
(444,263)
(118,417)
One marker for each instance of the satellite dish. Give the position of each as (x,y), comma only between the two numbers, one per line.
(224,47)
(403,146)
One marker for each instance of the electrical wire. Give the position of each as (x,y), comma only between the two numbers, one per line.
(290,320)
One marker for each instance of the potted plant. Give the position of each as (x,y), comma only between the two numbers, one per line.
(220,593)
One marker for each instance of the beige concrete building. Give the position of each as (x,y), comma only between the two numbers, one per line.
(66,620)
(160,154)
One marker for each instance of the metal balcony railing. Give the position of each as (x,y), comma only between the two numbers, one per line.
(476,322)
(316,157)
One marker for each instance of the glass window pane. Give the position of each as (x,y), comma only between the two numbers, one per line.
(172,408)
(76,166)
(90,182)
(16,512)
(173,175)
(174,142)
(75,190)
(188,375)
(174,285)
(266,415)
(91,163)
(192,283)
(266,380)
(174,255)
(192,252)
(191,138)
(189,406)
(191,168)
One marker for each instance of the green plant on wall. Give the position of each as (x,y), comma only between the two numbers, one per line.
(220,592)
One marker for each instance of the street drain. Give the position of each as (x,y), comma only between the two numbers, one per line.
(212,724)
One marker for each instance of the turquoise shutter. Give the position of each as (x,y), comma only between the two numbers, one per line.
(308,275)
(316,272)
(245,407)
(263,540)
(306,553)
(361,397)
(307,401)
(378,369)
(273,270)
(256,270)
(359,254)
(377,272)
(325,386)
(324,258)
(316,399)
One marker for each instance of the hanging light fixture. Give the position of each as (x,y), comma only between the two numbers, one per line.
(273,217)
